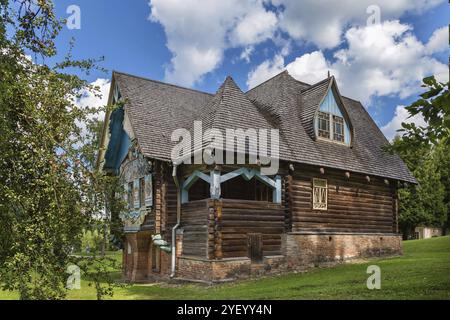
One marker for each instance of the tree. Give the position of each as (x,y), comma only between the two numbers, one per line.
(434,106)
(104,188)
(443,160)
(423,204)
(425,150)
(47,192)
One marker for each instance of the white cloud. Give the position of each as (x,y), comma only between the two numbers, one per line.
(246,53)
(310,67)
(265,70)
(323,22)
(438,41)
(95,100)
(382,60)
(256,26)
(198,32)
(378,60)
(401,115)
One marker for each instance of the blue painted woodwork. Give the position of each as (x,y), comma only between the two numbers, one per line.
(330,105)
(119,142)
(215,179)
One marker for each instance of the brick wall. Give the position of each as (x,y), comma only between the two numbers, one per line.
(306,250)
(212,270)
(300,251)
(190,268)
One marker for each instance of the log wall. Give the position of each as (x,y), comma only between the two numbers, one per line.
(194,220)
(354,204)
(241,217)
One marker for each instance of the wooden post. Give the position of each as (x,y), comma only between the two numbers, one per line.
(277,190)
(395,209)
(218,254)
(211,231)
(288,204)
(215,184)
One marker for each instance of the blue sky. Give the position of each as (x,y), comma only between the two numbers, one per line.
(197,44)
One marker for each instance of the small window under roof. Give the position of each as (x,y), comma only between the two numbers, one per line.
(330,123)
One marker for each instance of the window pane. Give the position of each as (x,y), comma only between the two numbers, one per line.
(141,192)
(324,125)
(338,128)
(130,195)
(320,194)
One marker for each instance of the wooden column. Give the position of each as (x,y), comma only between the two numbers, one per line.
(218,254)
(395,208)
(215,183)
(288,203)
(164,216)
(158,198)
(210,248)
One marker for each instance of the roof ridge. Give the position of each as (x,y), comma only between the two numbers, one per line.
(277,75)
(301,82)
(161,82)
(313,86)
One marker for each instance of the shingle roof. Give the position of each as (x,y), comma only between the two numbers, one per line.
(230,108)
(156,109)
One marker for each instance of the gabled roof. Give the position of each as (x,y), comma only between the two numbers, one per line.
(230,108)
(156,109)
(366,154)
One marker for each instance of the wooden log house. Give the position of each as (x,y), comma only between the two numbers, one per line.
(333,198)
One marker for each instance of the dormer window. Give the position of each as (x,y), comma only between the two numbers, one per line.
(330,123)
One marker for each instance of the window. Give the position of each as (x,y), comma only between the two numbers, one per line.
(141,192)
(320,194)
(324,125)
(130,195)
(338,128)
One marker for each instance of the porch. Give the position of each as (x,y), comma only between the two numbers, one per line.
(231,228)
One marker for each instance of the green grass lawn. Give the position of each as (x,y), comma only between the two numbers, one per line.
(423,272)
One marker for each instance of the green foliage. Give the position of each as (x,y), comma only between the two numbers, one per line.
(423,204)
(426,152)
(91,240)
(434,106)
(49,190)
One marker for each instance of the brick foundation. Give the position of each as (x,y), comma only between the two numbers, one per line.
(299,252)
(190,268)
(305,250)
